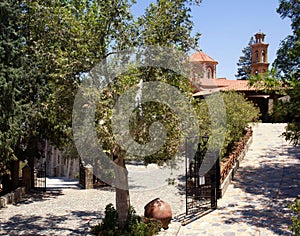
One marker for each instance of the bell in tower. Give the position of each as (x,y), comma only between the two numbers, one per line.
(259,63)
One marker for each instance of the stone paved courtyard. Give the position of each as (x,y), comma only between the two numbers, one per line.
(256,201)
(254,204)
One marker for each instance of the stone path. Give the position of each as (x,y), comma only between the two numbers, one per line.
(256,201)
(254,204)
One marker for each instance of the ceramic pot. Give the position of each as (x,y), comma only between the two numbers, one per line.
(159,210)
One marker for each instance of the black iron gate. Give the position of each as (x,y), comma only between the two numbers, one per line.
(201,191)
(40,177)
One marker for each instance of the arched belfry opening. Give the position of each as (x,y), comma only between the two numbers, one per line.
(259,62)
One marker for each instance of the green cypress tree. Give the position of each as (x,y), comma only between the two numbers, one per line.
(11,72)
(244,63)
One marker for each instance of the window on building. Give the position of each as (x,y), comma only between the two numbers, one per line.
(263,58)
(256,56)
(209,73)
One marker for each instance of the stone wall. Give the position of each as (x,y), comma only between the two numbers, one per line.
(230,167)
(12,197)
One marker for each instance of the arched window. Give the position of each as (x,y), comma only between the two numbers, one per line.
(209,74)
(256,56)
(263,56)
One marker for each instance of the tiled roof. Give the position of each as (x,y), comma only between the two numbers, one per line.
(237,85)
(201,57)
(222,84)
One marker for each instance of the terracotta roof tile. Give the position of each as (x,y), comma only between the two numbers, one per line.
(237,85)
(201,57)
(222,84)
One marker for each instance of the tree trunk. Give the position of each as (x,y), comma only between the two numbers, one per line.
(122,192)
(68,168)
(31,161)
(15,167)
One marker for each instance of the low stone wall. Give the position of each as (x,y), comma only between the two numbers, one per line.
(12,197)
(231,166)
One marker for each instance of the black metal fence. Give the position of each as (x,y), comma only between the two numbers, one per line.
(40,178)
(201,191)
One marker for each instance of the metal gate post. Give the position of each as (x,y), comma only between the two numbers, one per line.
(45,178)
(213,192)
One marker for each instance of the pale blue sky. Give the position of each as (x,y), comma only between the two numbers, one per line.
(227,26)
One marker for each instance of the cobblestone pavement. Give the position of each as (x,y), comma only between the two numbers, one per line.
(254,204)
(65,209)
(256,201)
(72,211)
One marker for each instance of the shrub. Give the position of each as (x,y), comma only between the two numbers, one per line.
(135,225)
(239,113)
(295,227)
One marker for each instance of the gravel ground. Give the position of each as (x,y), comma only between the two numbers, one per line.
(66,209)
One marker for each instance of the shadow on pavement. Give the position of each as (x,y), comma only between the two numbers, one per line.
(50,225)
(40,196)
(275,184)
(181,184)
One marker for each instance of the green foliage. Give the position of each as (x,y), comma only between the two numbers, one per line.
(66,39)
(244,63)
(239,113)
(289,111)
(152,112)
(13,103)
(295,207)
(288,65)
(269,82)
(167,23)
(287,61)
(164,23)
(110,221)
(135,225)
(288,55)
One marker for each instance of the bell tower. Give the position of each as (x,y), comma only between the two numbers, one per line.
(259,62)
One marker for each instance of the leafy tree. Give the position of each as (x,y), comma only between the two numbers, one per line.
(141,119)
(290,112)
(168,24)
(55,42)
(66,39)
(244,63)
(287,63)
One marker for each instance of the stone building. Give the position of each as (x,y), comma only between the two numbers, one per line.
(205,85)
(203,67)
(57,165)
(259,55)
